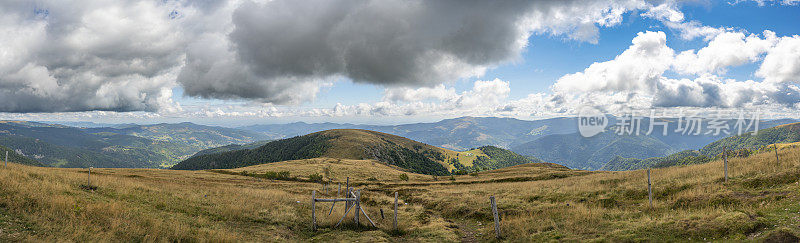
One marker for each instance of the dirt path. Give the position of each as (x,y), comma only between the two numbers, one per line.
(466,231)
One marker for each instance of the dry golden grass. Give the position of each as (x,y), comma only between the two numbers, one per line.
(165,205)
(538,202)
(375,172)
(690,202)
(338,170)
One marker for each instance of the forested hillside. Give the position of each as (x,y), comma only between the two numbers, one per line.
(360,144)
(788,133)
(14,157)
(736,146)
(578,152)
(133,146)
(231,147)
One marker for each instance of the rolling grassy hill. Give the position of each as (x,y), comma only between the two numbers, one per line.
(361,145)
(537,202)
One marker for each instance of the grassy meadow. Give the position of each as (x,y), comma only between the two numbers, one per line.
(537,202)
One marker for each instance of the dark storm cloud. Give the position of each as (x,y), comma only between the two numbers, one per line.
(279,50)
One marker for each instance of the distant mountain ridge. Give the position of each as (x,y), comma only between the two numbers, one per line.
(134,146)
(362,145)
(456,134)
(577,152)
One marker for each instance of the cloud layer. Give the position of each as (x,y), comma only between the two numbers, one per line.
(93,55)
(641,71)
(79,55)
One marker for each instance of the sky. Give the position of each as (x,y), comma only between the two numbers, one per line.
(242,62)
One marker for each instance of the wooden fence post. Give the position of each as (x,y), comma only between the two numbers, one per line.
(649,189)
(496,217)
(347,192)
(395,211)
(358,206)
(314,210)
(777,161)
(725,159)
(89,178)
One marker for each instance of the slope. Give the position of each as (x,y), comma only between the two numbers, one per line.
(787,133)
(62,146)
(578,152)
(192,136)
(15,157)
(130,145)
(737,146)
(592,153)
(231,147)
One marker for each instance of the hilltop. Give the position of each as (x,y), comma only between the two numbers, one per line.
(361,145)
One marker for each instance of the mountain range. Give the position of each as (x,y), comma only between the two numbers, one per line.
(553,140)
(137,146)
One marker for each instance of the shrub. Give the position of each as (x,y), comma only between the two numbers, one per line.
(404,177)
(327,172)
(372,179)
(315,178)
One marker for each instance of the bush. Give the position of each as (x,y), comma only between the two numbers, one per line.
(315,178)
(272,175)
(452,178)
(372,179)
(404,177)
